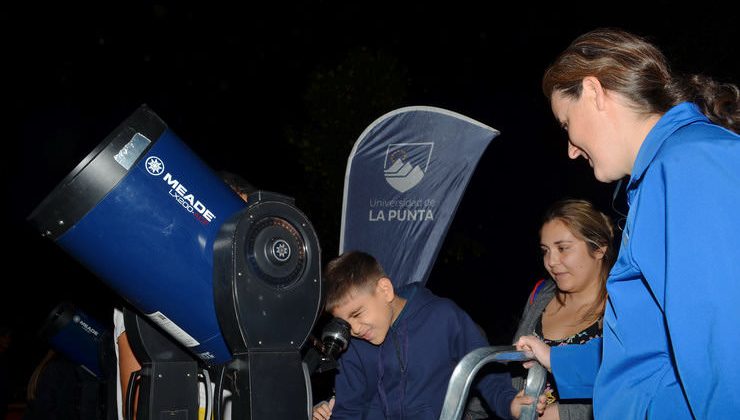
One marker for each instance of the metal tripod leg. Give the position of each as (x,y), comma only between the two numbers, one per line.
(465,371)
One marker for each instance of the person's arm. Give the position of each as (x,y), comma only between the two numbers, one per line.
(350,386)
(697,196)
(575,368)
(127,364)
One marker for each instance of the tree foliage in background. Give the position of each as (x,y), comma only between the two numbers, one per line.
(340,102)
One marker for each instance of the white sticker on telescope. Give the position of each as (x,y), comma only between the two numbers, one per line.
(178,333)
(132,150)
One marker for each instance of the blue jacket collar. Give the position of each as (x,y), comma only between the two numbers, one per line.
(679,116)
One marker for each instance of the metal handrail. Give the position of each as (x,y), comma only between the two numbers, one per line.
(465,371)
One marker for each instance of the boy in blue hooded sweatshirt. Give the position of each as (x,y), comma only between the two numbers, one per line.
(409,343)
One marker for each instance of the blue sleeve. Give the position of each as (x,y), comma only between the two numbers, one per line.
(697,197)
(495,388)
(575,367)
(350,387)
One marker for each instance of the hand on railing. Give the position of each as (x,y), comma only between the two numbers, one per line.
(322,410)
(462,377)
(539,350)
(524,404)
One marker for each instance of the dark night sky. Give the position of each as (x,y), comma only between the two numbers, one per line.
(246,87)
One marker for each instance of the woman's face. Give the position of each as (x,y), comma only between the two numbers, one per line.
(590,134)
(567,258)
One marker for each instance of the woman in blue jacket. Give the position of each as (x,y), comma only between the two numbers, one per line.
(671,323)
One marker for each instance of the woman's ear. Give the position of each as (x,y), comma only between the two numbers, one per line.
(600,252)
(594,91)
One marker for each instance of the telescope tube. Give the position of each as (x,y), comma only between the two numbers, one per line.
(142,211)
(76,335)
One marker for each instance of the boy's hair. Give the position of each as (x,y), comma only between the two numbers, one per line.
(350,272)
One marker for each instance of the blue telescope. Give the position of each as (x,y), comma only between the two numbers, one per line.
(228,280)
(81,338)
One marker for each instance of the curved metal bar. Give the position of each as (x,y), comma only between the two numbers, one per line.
(536,380)
(468,367)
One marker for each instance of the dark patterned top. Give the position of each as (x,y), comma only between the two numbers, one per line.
(586,335)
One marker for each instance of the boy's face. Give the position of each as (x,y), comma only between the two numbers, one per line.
(369,312)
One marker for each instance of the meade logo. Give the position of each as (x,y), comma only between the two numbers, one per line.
(87,328)
(154,165)
(406,163)
(178,191)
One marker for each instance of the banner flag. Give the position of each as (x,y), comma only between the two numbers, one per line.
(405,177)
